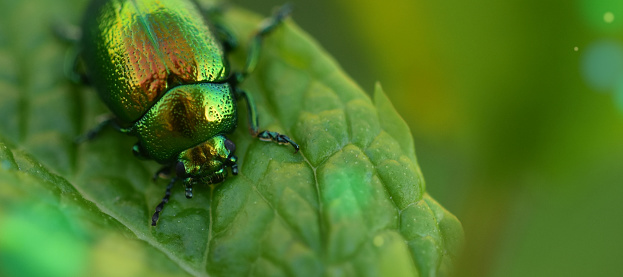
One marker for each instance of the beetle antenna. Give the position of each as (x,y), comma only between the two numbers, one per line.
(165,199)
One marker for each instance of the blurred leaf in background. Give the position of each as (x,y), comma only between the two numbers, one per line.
(517,112)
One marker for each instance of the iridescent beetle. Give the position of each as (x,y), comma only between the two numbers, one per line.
(160,67)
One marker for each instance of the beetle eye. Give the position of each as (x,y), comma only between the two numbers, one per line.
(180,170)
(230,146)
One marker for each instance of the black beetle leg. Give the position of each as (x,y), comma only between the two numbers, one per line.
(278,138)
(165,199)
(254,123)
(234,169)
(189,188)
(233,164)
(91,134)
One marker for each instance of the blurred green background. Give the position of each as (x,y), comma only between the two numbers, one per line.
(517,112)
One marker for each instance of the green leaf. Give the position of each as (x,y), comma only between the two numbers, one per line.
(351,203)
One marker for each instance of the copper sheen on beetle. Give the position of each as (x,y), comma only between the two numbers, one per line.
(160,67)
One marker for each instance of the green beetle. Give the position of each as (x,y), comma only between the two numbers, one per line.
(160,67)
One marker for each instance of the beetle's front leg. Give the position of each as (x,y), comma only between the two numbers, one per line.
(254,123)
(251,111)
(278,138)
(267,26)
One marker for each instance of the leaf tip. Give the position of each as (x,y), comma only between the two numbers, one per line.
(392,122)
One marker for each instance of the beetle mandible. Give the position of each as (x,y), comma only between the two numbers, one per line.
(160,67)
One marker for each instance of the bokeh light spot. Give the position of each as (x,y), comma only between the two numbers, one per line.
(608,17)
(378,241)
(602,65)
(576,49)
(600,14)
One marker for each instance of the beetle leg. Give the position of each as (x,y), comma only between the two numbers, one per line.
(234,169)
(91,134)
(228,40)
(254,123)
(267,26)
(278,138)
(233,164)
(189,188)
(214,15)
(165,199)
(251,111)
(71,34)
(71,67)
(214,11)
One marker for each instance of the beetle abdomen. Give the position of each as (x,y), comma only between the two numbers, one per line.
(136,50)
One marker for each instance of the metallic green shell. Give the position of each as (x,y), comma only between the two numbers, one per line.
(186,116)
(136,50)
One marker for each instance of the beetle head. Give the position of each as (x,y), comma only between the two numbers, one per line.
(206,163)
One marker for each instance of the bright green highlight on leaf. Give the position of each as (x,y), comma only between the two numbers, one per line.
(351,203)
(31,236)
